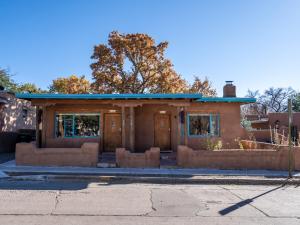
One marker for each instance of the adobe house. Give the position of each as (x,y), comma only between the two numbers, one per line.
(17,121)
(276,120)
(137,121)
(3,102)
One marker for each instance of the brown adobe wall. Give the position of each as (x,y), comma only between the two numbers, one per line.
(236,159)
(144,122)
(260,135)
(283,119)
(28,155)
(230,124)
(126,159)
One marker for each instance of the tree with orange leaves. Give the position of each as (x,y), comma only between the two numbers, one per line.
(134,63)
(70,85)
(202,87)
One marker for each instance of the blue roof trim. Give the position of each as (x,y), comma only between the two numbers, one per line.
(108,96)
(227,99)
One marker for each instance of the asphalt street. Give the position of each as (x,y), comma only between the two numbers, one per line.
(75,202)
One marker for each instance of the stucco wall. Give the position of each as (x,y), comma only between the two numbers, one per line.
(260,135)
(126,159)
(230,124)
(144,120)
(28,154)
(12,116)
(144,124)
(48,127)
(236,159)
(283,119)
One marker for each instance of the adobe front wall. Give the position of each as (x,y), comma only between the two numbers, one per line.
(48,124)
(230,124)
(230,127)
(144,125)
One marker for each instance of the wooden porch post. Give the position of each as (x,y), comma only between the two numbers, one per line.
(123,127)
(37,127)
(178,127)
(132,129)
(185,127)
(44,127)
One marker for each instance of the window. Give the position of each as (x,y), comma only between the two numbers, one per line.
(203,125)
(77,125)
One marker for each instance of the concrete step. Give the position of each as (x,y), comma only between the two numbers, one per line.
(106,165)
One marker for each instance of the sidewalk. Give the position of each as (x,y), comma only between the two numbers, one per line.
(155,175)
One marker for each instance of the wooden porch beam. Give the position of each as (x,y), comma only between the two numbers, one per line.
(179,104)
(127,104)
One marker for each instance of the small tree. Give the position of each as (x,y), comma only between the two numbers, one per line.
(29,88)
(10,85)
(70,85)
(273,100)
(6,81)
(296,102)
(202,87)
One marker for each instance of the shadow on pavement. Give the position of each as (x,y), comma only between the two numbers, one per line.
(240,204)
(41,185)
(5,157)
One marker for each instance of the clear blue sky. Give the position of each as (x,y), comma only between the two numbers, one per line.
(254,43)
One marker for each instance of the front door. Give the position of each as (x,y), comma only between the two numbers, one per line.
(162,131)
(112,132)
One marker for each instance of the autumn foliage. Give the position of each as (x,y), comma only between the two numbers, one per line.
(131,63)
(134,63)
(203,87)
(70,85)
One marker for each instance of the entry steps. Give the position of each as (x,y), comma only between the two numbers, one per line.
(108,160)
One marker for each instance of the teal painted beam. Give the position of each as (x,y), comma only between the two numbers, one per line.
(227,99)
(108,96)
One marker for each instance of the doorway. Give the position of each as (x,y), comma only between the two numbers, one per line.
(162,132)
(112,132)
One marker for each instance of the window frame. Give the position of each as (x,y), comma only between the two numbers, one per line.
(210,125)
(73,125)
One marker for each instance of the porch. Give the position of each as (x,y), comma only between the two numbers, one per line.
(130,125)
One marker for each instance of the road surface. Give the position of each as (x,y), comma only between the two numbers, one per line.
(74,202)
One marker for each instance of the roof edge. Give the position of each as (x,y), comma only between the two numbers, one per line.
(29,96)
(227,99)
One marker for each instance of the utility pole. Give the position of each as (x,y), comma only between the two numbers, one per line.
(290,138)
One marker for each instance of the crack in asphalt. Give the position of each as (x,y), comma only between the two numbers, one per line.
(151,200)
(56,201)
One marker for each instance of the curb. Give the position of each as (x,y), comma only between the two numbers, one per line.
(158,180)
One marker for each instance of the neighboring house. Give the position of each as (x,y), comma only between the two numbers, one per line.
(16,114)
(17,121)
(278,121)
(138,121)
